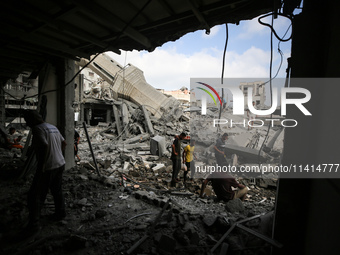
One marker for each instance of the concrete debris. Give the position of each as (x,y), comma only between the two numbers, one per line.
(126,212)
(129,83)
(234,206)
(249,155)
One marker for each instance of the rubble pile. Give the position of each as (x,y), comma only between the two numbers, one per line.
(119,198)
(108,215)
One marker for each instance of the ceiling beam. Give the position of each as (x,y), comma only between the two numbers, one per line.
(167,7)
(8,52)
(53,21)
(199,16)
(44,19)
(42,50)
(38,40)
(109,18)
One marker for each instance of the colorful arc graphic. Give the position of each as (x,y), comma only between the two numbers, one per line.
(209,94)
(207,85)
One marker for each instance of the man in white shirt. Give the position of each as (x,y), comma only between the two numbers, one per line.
(49,146)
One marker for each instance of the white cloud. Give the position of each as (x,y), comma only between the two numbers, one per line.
(171,70)
(252,28)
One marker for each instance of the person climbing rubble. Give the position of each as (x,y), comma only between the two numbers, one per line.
(49,146)
(176,158)
(219,150)
(188,159)
(222,184)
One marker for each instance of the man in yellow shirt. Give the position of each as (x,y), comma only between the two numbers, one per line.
(188,155)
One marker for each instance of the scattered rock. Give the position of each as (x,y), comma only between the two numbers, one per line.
(234,205)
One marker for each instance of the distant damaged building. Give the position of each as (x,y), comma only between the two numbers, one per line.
(258,94)
(105,83)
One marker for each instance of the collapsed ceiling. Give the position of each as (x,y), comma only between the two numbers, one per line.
(35,31)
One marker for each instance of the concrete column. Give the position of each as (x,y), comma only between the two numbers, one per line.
(59,109)
(66,71)
(148,123)
(81,105)
(48,81)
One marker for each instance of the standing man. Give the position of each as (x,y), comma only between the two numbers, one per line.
(49,146)
(222,183)
(176,157)
(188,159)
(219,150)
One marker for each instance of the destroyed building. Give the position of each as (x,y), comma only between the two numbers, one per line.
(259,92)
(130,213)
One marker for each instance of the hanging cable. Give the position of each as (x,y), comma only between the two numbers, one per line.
(281,56)
(270,89)
(273,32)
(222,74)
(272,25)
(224,51)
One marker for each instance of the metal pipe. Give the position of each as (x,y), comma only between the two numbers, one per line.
(90,145)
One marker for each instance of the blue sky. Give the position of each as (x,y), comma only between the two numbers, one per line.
(198,55)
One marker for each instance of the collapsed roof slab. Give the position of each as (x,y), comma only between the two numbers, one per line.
(129,83)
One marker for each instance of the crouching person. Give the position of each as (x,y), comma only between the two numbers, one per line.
(222,183)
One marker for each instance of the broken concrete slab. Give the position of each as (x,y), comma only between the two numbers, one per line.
(158,167)
(240,140)
(234,205)
(250,155)
(139,138)
(147,121)
(209,220)
(157,145)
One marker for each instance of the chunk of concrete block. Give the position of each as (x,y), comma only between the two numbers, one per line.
(157,145)
(250,155)
(209,220)
(158,167)
(234,205)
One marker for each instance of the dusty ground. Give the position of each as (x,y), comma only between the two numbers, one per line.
(104,217)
